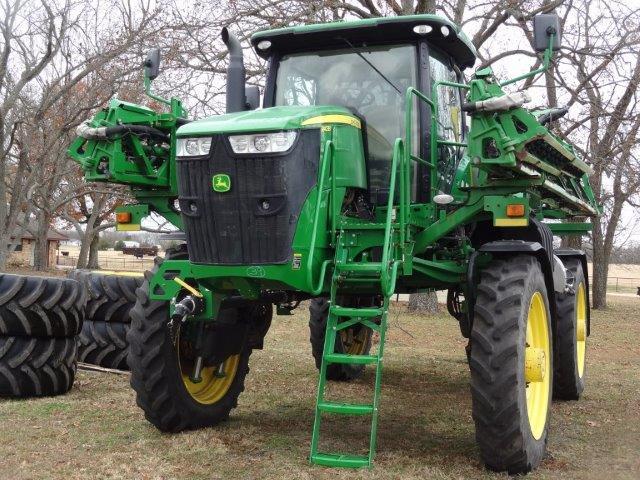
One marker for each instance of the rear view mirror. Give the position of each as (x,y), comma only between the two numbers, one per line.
(152,64)
(545,25)
(252,93)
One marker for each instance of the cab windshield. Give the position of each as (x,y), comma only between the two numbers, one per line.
(370,81)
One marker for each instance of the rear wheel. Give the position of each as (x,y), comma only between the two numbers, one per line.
(354,341)
(571,336)
(161,371)
(511,364)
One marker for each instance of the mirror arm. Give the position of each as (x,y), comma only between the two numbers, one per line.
(546,60)
(150,94)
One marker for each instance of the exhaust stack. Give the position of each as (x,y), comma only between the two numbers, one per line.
(236,98)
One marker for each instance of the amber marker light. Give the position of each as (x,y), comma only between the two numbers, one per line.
(515,210)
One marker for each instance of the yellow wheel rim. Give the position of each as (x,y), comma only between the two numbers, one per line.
(537,365)
(354,344)
(581,328)
(215,381)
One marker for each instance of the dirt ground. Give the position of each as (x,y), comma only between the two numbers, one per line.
(425,429)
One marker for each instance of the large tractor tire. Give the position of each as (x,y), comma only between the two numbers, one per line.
(354,341)
(36,366)
(160,370)
(110,296)
(40,306)
(571,336)
(104,344)
(511,364)
(39,320)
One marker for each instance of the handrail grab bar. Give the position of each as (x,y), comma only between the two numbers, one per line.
(327,162)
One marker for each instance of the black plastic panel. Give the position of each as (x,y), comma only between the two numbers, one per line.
(254,222)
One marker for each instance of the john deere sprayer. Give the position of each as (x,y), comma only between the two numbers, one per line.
(372,168)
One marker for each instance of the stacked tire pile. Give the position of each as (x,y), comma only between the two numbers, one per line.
(40,318)
(109,298)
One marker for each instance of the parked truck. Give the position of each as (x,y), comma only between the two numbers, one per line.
(374,167)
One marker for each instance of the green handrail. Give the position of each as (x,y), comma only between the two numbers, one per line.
(408,116)
(327,162)
(388,280)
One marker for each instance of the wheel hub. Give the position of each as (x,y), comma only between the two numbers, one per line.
(581,327)
(534,364)
(537,365)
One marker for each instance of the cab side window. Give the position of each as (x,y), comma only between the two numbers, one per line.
(448,119)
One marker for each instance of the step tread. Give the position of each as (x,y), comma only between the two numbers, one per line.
(363,226)
(346,408)
(340,460)
(366,267)
(351,359)
(368,312)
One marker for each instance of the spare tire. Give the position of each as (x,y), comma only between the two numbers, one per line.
(109,295)
(40,306)
(104,344)
(35,367)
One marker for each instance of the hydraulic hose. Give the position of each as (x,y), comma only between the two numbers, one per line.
(102,133)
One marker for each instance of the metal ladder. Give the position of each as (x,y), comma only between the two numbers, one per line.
(340,318)
(393,238)
(358,315)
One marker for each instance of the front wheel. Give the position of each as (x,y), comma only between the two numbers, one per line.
(511,364)
(161,372)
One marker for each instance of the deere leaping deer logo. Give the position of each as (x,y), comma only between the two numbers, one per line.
(221,183)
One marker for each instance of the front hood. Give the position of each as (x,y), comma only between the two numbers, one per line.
(264,120)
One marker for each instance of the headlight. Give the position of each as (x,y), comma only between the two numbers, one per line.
(193,147)
(263,142)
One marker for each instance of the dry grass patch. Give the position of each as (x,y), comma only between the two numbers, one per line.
(425,428)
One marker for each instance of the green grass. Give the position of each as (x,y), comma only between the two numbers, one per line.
(425,428)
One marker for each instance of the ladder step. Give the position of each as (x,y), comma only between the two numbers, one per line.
(366,267)
(351,359)
(345,408)
(363,226)
(356,312)
(338,460)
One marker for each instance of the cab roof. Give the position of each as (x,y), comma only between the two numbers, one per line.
(382,30)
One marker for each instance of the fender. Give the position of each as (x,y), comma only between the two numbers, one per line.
(502,247)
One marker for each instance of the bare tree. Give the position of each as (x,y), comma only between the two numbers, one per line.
(90,214)
(48,50)
(597,75)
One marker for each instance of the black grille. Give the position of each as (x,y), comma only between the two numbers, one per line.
(254,222)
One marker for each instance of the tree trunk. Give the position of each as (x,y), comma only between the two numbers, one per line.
(423,302)
(599,283)
(92,263)
(40,253)
(600,269)
(85,245)
(572,241)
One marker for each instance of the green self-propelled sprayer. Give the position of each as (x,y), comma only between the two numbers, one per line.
(373,168)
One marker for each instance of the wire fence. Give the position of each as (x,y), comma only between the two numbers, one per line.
(112,263)
(623,284)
